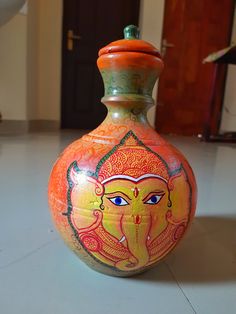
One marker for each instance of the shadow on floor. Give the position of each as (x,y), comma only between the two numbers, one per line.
(206,255)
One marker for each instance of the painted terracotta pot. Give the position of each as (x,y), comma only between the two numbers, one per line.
(121,196)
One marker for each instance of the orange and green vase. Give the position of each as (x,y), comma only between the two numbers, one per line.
(121,196)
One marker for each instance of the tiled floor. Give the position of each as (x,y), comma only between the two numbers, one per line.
(38,274)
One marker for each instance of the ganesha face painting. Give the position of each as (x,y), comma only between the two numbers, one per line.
(132,210)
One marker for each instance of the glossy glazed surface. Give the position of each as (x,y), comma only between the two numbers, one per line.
(122,203)
(122,197)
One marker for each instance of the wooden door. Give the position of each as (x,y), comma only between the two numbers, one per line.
(90,24)
(191,30)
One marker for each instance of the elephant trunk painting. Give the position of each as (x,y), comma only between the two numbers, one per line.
(136,229)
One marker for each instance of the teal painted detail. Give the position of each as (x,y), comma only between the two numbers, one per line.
(131,32)
(128,82)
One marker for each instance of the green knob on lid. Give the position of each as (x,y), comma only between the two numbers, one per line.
(131,32)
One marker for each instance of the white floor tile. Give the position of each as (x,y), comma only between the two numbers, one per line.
(38,274)
(53,280)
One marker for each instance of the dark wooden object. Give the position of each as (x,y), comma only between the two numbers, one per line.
(195,28)
(212,126)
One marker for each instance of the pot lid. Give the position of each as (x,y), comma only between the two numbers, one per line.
(130,43)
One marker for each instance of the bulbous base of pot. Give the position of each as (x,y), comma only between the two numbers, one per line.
(123,206)
(108,270)
(120,274)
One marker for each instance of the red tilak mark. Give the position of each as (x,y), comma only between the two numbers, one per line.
(137,220)
(136,192)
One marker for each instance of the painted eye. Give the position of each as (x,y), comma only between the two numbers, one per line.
(154,199)
(118,201)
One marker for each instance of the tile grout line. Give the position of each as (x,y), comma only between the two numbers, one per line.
(20,259)
(181,289)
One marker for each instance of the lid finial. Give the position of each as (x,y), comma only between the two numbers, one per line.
(131,32)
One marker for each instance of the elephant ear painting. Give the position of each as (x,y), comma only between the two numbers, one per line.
(131,210)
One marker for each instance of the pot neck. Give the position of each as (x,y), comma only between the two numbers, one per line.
(129,69)
(123,110)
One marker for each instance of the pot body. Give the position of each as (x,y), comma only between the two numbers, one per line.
(121,196)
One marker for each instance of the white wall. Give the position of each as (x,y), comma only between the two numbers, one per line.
(44,62)
(13,36)
(32,59)
(50,20)
(228,122)
(150,23)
